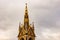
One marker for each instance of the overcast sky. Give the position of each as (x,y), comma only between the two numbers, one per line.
(44,13)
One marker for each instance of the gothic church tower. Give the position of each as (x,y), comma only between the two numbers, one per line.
(26,31)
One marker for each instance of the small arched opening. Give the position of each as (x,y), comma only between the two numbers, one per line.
(22,38)
(30,38)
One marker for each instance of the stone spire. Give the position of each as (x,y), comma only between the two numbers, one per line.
(26,31)
(26,18)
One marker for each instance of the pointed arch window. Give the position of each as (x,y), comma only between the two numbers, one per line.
(22,38)
(30,38)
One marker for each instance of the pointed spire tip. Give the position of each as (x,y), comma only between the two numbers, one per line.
(26,3)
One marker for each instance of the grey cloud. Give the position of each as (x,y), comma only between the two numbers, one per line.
(47,20)
(51,18)
(44,13)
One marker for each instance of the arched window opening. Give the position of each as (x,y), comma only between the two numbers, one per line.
(22,38)
(30,38)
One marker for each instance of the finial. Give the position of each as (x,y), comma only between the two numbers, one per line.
(26,3)
(32,22)
(19,23)
(26,10)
